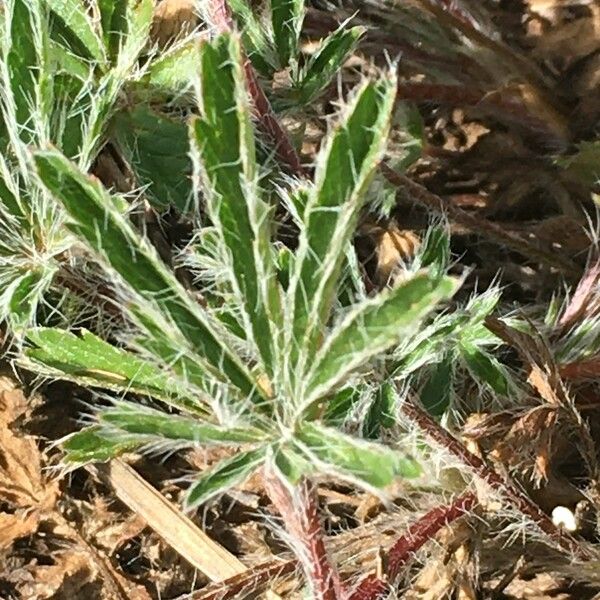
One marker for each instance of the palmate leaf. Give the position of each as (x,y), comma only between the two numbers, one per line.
(344,170)
(98,220)
(225,475)
(224,140)
(363,461)
(286,20)
(373,327)
(87,359)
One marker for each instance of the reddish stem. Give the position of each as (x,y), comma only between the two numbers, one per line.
(418,534)
(516,497)
(476,224)
(300,512)
(252,580)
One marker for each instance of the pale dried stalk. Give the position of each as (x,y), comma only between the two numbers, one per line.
(175,528)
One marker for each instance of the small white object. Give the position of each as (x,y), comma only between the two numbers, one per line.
(563,517)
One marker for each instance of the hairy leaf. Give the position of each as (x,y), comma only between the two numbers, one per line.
(89,360)
(142,420)
(99,222)
(92,444)
(371,463)
(157,148)
(286,19)
(344,170)
(224,475)
(74,17)
(323,66)
(224,140)
(373,327)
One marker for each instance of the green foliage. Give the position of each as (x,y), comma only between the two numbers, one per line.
(253,367)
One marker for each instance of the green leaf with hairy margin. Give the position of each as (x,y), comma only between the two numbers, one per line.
(344,170)
(224,475)
(142,420)
(174,71)
(381,411)
(484,367)
(437,391)
(74,21)
(139,15)
(113,18)
(255,38)
(157,149)
(291,463)
(373,327)
(223,138)
(286,20)
(26,293)
(92,444)
(22,60)
(321,68)
(99,222)
(87,359)
(371,463)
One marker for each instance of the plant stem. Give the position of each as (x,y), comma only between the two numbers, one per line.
(476,224)
(299,510)
(253,580)
(516,497)
(418,534)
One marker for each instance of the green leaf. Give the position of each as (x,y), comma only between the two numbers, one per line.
(373,327)
(286,19)
(139,14)
(142,420)
(255,37)
(584,165)
(370,463)
(338,407)
(157,149)
(484,367)
(175,70)
(65,61)
(74,17)
(23,61)
(437,391)
(326,63)
(92,444)
(98,220)
(381,411)
(224,475)
(25,294)
(224,140)
(87,359)
(291,463)
(435,251)
(344,170)
(113,17)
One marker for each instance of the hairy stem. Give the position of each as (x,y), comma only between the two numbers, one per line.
(508,490)
(372,587)
(299,510)
(476,224)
